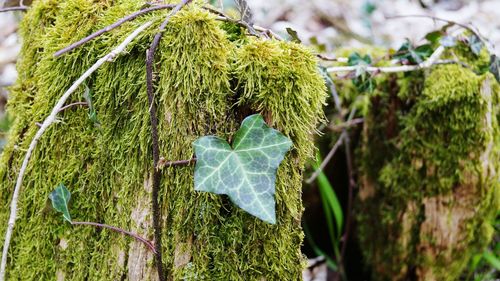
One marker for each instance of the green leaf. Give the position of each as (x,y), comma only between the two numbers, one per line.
(434,36)
(407,53)
(475,44)
(356,59)
(60,198)
(88,96)
(293,34)
(495,67)
(492,259)
(246,172)
(331,203)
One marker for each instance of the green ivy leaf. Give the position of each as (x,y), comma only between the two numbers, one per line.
(293,35)
(407,53)
(495,66)
(60,198)
(246,172)
(362,80)
(475,44)
(434,36)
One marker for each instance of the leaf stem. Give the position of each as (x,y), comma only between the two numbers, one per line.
(148,243)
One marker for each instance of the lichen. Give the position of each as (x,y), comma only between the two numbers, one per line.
(204,84)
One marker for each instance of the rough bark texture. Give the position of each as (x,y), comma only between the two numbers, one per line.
(208,77)
(429,171)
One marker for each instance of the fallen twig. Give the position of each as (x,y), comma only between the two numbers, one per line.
(111,27)
(46,124)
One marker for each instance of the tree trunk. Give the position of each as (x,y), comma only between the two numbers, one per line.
(429,173)
(208,76)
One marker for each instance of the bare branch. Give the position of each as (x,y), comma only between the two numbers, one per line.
(150,54)
(164,164)
(340,127)
(80,103)
(45,125)
(10,9)
(110,27)
(327,158)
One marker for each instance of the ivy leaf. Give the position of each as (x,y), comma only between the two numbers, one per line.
(434,36)
(246,172)
(409,54)
(475,44)
(362,80)
(60,198)
(495,67)
(293,35)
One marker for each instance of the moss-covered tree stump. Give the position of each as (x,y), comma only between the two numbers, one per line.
(429,172)
(208,77)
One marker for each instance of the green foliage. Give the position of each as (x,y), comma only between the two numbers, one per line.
(362,80)
(246,173)
(204,84)
(60,198)
(293,35)
(409,54)
(475,44)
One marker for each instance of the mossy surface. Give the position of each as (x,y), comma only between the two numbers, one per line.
(206,82)
(428,176)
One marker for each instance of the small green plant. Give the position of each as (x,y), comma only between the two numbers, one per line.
(334,219)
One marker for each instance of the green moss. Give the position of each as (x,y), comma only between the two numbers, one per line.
(205,84)
(424,147)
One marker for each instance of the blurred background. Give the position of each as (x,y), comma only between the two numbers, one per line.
(326,25)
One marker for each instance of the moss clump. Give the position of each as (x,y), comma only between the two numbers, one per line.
(429,186)
(205,84)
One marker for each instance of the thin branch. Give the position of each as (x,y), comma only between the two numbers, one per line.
(348,124)
(148,243)
(150,54)
(80,103)
(327,159)
(164,164)
(469,27)
(336,59)
(46,124)
(111,27)
(250,27)
(431,61)
(10,9)
(350,199)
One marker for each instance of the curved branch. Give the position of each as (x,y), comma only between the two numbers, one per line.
(119,230)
